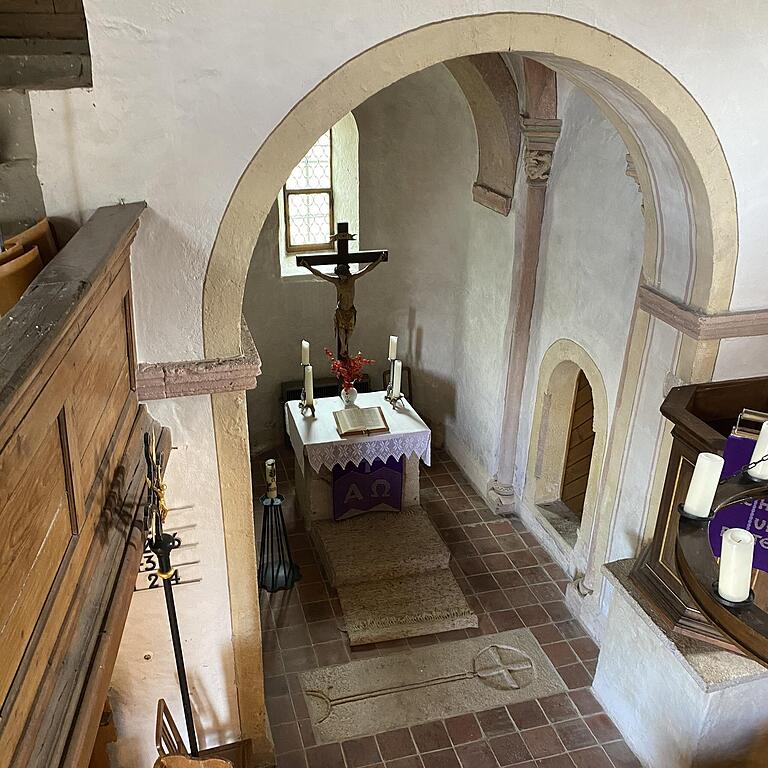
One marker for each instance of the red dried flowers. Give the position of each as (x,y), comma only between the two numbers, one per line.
(348,369)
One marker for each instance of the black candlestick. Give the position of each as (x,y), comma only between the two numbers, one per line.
(277,570)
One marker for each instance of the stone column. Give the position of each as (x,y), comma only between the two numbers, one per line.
(540,136)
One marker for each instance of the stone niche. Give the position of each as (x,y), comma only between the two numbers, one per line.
(677,700)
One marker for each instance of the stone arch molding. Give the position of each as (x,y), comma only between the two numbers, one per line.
(558,371)
(491,93)
(637,91)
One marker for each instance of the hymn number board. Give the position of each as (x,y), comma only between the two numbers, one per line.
(185,559)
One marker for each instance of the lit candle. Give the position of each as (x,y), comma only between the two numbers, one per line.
(760,472)
(305,352)
(701,491)
(392,347)
(271,473)
(309,390)
(735,577)
(396,376)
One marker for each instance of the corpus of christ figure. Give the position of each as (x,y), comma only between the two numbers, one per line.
(344,282)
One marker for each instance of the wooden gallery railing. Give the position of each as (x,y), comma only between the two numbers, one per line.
(71,486)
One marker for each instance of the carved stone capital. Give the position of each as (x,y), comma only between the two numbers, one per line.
(540,136)
(693,322)
(538,165)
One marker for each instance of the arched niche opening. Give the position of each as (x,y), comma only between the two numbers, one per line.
(567,447)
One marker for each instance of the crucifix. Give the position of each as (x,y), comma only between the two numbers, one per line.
(343,280)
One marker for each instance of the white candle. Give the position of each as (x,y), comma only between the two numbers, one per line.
(309,390)
(271,473)
(392,347)
(760,472)
(396,376)
(701,491)
(735,577)
(305,352)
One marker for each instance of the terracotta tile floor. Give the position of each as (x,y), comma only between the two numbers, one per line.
(509,581)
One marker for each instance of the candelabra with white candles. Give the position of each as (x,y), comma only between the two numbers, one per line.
(394,395)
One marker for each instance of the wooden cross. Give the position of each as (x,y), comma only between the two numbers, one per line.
(342,255)
(343,280)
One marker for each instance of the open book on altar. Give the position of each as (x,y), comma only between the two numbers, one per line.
(360,421)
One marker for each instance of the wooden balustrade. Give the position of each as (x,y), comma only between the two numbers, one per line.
(71,486)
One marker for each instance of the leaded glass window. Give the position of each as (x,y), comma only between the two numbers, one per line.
(308,200)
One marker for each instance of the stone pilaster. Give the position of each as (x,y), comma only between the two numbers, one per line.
(540,137)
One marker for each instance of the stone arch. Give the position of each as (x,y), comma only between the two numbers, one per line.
(491,93)
(558,371)
(689,198)
(639,94)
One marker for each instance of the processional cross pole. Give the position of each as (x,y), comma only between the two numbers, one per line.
(343,280)
(162,544)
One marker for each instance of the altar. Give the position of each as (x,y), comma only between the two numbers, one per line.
(340,477)
(357,485)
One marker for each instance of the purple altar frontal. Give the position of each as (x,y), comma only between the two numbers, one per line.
(376,487)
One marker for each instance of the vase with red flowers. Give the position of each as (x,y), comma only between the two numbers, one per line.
(348,370)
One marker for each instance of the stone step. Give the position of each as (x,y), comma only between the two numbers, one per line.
(379,546)
(410,606)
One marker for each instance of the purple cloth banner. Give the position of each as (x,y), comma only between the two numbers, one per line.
(750,515)
(367,488)
(737,453)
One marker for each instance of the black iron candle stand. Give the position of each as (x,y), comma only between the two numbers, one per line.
(277,570)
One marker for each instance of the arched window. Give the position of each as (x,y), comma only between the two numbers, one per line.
(322,190)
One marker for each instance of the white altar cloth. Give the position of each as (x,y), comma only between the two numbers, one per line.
(317,437)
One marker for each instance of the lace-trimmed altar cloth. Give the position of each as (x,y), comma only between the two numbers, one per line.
(318,439)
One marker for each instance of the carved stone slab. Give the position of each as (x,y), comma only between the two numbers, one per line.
(418,685)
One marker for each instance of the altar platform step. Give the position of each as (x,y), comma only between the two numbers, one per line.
(391,572)
(410,606)
(379,546)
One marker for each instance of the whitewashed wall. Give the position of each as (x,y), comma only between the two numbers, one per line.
(444,292)
(591,251)
(184,94)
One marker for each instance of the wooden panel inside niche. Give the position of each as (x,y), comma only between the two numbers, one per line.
(581,441)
